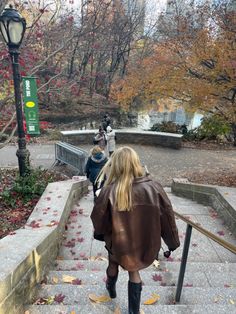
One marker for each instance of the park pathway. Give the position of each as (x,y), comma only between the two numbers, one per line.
(163,163)
(210,279)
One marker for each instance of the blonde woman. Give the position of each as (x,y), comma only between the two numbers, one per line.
(131,214)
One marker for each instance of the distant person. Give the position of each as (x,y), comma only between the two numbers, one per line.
(100,138)
(111,140)
(106,121)
(94,165)
(131,214)
(184,129)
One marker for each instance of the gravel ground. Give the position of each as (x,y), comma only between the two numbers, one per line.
(164,164)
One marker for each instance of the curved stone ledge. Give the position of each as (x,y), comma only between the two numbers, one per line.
(27,253)
(172,140)
(222,199)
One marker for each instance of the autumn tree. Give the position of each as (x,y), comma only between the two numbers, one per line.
(193,61)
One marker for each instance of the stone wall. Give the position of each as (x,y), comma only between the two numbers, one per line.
(27,253)
(78,137)
(222,199)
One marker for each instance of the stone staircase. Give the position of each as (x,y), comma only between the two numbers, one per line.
(209,284)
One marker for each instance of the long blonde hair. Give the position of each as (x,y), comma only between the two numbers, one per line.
(121,169)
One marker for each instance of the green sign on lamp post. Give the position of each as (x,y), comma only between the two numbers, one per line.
(31,105)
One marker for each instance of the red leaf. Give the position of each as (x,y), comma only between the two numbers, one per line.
(59,298)
(79,266)
(188,285)
(221,233)
(157,277)
(34,224)
(73,213)
(80,240)
(76,282)
(69,244)
(194,244)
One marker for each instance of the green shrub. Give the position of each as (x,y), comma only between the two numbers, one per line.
(27,188)
(212,127)
(168,127)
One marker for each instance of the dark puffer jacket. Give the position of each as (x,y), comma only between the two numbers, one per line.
(94,165)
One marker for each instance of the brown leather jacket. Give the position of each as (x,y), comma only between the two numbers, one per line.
(134,237)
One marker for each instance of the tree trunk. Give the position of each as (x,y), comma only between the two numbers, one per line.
(234,133)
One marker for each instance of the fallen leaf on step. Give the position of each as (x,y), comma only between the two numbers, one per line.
(156,277)
(55,280)
(221,233)
(117,310)
(27,312)
(59,298)
(101,258)
(156,263)
(231,301)
(92,258)
(141,311)
(73,312)
(155,297)
(77,282)
(68,279)
(99,299)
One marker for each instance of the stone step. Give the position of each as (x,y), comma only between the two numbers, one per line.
(98,265)
(150,278)
(79,294)
(104,309)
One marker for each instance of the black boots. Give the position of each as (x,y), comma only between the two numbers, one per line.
(111,286)
(134,294)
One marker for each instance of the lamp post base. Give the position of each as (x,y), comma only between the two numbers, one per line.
(23,154)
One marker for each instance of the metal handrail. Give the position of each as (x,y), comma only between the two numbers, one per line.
(207,233)
(190,225)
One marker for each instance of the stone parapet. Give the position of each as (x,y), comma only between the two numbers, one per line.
(172,140)
(222,199)
(27,253)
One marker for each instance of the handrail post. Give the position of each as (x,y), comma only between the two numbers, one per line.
(183,263)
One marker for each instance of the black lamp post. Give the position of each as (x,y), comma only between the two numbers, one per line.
(12,27)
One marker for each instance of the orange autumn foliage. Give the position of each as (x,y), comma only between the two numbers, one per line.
(197,69)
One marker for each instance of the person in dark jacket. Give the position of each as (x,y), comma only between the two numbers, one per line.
(131,214)
(94,165)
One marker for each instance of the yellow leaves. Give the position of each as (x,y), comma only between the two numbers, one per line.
(73,312)
(155,297)
(117,310)
(156,263)
(231,301)
(98,258)
(55,279)
(68,279)
(99,299)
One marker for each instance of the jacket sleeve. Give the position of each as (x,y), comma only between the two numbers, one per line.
(101,213)
(169,231)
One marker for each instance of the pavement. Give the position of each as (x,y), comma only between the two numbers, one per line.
(163,163)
